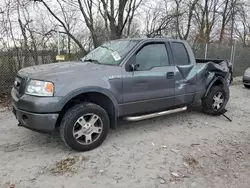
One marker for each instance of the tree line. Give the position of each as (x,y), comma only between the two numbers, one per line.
(32,25)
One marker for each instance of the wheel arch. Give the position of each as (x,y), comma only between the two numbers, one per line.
(95,95)
(216,82)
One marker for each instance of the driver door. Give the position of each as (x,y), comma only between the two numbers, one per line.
(151,86)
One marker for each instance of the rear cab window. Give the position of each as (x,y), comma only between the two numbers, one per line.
(180,54)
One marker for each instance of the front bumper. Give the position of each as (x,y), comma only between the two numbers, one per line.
(43,123)
(246,80)
(36,113)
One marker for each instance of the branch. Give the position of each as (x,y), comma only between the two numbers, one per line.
(64,26)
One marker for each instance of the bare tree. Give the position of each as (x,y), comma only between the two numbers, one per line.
(69,18)
(63,24)
(184,14)
(88,23)
(119,17)
(205,18)
(157,19)
(242,27)
(10,35)
(29,40)
(116,16)
(226,13)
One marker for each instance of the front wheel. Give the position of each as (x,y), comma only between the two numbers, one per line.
(216,100)
(84,127)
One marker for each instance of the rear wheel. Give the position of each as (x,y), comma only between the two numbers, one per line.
(84,127)
(216,100)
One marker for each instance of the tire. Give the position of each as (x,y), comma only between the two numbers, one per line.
(208,102)
(76,123)
(247,86)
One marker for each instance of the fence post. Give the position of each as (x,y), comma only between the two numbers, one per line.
(233,49)
(58,41)
(206,48)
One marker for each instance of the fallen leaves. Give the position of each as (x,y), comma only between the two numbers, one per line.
(64,166)
(67,165)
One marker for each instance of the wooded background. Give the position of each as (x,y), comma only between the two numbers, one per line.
(29,28)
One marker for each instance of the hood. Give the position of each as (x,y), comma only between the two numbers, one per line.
(61,70)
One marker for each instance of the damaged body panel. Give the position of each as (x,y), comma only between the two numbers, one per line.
(199,78)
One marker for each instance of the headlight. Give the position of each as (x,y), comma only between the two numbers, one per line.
(40,88)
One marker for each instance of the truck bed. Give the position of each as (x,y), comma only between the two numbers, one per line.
(219,66)
(216,61)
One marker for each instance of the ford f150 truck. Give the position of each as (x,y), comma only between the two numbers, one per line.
(133,79)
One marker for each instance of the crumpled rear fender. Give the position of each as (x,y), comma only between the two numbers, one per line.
(217,73)
(216,80)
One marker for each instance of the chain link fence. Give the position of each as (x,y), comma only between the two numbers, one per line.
(237,54)
(11,62)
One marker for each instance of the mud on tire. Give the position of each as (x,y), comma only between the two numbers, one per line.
(216,100)
(82,120)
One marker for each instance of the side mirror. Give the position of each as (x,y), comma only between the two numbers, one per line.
(130,64)
(134,67)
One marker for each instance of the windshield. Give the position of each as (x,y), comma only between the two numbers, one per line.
(110,53)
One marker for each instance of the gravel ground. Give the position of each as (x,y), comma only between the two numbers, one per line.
(189,149)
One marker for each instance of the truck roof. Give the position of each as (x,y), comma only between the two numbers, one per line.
(152,39)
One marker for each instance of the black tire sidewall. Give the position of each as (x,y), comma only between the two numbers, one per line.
(73,115)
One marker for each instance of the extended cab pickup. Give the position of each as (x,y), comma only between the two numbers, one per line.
(133,79)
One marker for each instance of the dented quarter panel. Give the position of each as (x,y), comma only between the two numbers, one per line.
(197,80)
(193,81)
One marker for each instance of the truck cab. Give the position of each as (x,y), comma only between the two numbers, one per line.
(163,76)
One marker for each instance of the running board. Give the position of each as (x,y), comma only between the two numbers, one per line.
(158,114)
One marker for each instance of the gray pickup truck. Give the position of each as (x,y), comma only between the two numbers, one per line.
(133,79)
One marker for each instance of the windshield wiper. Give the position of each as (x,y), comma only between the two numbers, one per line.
(92,60)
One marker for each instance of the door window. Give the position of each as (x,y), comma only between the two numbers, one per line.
(152,55)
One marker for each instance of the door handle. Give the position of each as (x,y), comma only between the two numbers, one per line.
(170,74)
